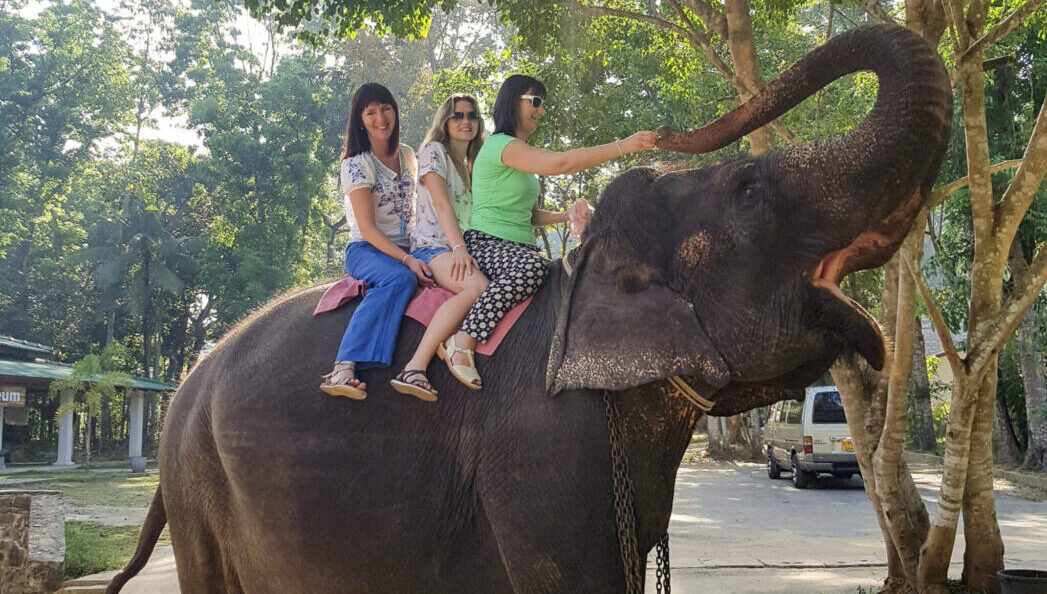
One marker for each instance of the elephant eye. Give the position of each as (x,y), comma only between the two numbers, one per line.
(749,194)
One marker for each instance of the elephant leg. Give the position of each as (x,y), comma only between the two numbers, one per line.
(202,566)
(547,550)
(550,505)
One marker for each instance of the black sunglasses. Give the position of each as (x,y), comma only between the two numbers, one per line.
(536,100)
(472,116)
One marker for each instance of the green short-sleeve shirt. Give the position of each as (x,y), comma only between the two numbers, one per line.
(502,196)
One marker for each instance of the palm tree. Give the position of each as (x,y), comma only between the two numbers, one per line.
(144,256)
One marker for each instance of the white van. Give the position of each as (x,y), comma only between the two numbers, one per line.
(810,437)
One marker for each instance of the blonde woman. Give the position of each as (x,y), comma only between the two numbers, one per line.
(444,209)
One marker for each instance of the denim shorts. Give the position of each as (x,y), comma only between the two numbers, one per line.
(427,254)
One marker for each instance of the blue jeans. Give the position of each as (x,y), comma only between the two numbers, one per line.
(427,254)
(370,338)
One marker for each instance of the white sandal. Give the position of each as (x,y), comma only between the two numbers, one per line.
(466,374)
(337,383)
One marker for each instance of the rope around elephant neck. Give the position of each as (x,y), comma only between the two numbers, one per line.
(625,513)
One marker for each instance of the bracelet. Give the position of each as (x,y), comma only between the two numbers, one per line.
(456,247)
(619,148)
(404,260)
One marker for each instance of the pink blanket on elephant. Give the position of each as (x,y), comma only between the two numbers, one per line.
(421,308)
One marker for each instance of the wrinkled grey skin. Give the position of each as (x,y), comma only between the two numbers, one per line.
(724,276)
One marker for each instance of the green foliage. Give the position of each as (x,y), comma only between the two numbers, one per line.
(93,379)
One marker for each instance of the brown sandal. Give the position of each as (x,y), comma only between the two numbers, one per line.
(337,383)
(414,383)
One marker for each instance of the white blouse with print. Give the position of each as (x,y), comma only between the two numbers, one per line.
(428,232)
(393,195)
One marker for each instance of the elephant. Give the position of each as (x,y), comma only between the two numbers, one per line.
(724,278)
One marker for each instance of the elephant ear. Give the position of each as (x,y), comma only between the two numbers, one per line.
(619,326)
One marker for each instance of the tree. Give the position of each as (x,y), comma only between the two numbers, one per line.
(92,381)
(919,550)
(63,88)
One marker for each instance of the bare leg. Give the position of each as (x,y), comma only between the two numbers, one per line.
(449,316)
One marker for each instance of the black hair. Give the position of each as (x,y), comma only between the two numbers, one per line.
(507,105)
(356,139)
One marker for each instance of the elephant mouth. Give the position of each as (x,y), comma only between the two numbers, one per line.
(841,315)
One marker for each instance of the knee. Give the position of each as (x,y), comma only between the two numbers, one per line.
(475,284)
(404,280)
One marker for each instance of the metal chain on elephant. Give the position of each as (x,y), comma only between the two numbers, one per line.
(624,510)
(661,584)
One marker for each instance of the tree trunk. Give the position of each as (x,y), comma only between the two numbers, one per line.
(865,400)
(87,441)
(983,555)
(902,509)
(1035,393)
(1005,450)
(746,64)
(147,302)
(717,436)
(756,449)
(920,423)
(174,344)
(1032,369)
(105,423)
(864,396)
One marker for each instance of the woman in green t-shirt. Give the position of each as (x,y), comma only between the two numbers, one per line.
(505,210)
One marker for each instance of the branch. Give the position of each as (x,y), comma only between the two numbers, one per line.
(940,327)
(1025,292)
(626,14)
(1001,30)
(783,132)
(1026,183)
(714,21)
(950,188)
(874,10)
(705,45)
(954,18)
(703,41)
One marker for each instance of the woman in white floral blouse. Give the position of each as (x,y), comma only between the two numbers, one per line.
(378,178)
(445,206)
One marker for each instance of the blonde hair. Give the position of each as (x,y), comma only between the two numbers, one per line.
(438,133)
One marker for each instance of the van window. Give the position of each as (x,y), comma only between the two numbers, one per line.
(828,408)
(795,414)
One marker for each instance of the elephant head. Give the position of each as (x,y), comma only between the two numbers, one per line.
(729,276)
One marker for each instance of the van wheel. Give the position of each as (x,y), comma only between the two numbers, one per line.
(801,478)
(773,470)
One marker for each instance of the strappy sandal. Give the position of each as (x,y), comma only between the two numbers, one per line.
(466,374)
(337,383)
(414,383)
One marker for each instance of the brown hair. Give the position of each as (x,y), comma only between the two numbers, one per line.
(356,139)
(438,133)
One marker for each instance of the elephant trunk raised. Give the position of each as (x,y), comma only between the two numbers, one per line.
(873,168)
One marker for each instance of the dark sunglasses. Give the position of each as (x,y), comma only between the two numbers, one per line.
(536,101)
(458,116)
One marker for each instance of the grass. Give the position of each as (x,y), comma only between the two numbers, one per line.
(93,548)
(92,487)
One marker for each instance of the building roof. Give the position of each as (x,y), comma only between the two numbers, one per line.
(40,373)
(22,349)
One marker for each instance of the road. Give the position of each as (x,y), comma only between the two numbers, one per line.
(735,530)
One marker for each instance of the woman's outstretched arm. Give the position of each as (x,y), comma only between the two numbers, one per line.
(523,157)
